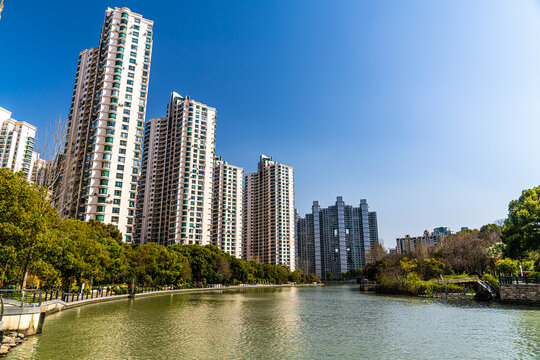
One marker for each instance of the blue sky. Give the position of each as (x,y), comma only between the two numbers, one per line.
(429,109)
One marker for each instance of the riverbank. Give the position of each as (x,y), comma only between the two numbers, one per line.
(10,341)
(287,323)
(68,305)
(28,320)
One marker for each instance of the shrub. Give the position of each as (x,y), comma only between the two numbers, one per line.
(507,266)
(492,280)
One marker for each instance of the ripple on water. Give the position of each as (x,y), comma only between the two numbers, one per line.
(287,323)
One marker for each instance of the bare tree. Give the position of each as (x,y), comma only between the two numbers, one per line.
(466,251)
(376,252)
(56,169)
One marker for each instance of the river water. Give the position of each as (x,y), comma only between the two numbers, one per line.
(336,322)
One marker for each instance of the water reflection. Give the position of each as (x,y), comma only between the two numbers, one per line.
(287,323)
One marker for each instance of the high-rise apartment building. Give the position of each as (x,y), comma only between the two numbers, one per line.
(174,203)
(408,244)
(305,246)
(41,170)
(269,214)
(336,239)
(227,207)
(100,162)
(17,142)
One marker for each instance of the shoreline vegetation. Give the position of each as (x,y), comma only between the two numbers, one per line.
(41,250)
(470,261)
(467,263)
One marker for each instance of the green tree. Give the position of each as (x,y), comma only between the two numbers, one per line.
(25,219)
(521,231)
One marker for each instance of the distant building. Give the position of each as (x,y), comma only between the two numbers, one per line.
(41,171)
(305,246)
(428,240)
(17,143)
(227,207)
(336,239)
(269,214)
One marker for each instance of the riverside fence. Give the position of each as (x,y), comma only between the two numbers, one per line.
(35,297)
(518,280)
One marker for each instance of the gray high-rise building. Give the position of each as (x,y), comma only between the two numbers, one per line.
(336,239)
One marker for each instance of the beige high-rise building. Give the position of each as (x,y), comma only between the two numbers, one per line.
(17,142)
(41,170)
(100,162)
(174,203)
(269,214)
(227,210)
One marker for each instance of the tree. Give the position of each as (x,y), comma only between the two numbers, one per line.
(25,219)
(521,231)
(466,251)
(376,252)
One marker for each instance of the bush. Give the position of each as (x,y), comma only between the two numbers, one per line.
(507,266)
(492,280)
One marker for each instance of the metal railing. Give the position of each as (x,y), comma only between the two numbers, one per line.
(35,297)
(21,297)
(517,280)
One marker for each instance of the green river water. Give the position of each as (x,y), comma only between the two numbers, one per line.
(336,322)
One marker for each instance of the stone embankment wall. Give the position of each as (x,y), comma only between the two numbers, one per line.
(27,320)
(522,293)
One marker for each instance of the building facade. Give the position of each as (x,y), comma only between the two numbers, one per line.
(17,143)
(227,207)
(269,214)
(174,202)
(336,239)
(409,244)
(102,152)
(305,246)
(41,170)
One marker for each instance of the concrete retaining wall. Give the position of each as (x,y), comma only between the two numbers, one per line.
(522,293)
(24,320)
